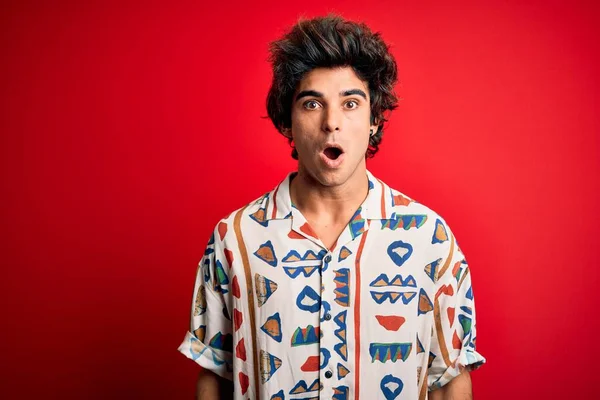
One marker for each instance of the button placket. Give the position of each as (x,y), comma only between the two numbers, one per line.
(327,313)
(327,337)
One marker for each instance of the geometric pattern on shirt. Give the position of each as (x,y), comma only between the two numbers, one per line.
(200,304)
(384,352)
(305,336)
(325,357)
(420,348)
(269,364)
(439,234)
(357,224)
(397,281)
(221,278)
(399,252)
(294,257)
(264,288)
(305,265)
(342,290)
(344,253)
(390,322)
(405,222)
(197,349)
(272,327)
(391,386)
(266,252)
(381,297)
(303,301)
(432,269)
(425,304)
(222,341)
(383,280)
(303,387)
(340,333)
(260,214)
(342,371)
(341,393)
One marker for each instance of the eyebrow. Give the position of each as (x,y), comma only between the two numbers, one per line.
(314,93)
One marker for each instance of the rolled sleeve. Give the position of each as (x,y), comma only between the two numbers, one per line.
(454,331)
(209,340)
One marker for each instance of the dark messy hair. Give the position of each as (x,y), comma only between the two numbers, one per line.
(331,41)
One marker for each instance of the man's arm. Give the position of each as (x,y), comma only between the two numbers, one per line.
(211,386)
(459,388)
(209,319)
(454,328)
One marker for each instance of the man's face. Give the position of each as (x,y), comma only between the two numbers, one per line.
(330,124)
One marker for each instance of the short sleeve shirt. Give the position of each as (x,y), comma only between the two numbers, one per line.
(387,313)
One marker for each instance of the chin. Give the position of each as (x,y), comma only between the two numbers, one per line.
(331,177)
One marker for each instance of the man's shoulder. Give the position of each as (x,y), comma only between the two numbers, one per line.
(403,204)
(256,209)
(414,212)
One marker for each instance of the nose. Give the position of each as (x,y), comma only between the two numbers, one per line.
(332,120)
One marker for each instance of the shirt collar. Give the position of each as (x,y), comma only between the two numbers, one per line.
(379,203)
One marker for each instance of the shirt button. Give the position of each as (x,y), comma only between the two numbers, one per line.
(327,316)
(328,374)
(327,258)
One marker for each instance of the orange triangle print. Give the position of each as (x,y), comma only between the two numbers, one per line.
(378,296)
(295,235)
(401,200)
(308,230)
(440,233)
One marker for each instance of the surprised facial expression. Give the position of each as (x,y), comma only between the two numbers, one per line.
(331,124)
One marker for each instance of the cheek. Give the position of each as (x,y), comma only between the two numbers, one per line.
(304,123)
(305,144)
(360,138)
(304,133)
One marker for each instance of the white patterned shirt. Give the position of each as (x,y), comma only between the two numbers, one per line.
(387,313)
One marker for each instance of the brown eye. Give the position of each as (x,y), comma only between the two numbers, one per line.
(311,105)
(351,104)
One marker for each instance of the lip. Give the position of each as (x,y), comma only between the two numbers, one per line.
(329,162)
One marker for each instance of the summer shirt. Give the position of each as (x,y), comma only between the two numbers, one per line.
(387,313)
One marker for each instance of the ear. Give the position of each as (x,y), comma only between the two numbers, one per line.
(374,126)
(287,132)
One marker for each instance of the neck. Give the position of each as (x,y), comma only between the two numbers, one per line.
(331,203)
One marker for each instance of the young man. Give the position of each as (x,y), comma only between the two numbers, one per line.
(333,285)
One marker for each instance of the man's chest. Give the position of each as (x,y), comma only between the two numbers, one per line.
(330,315)
(384,278)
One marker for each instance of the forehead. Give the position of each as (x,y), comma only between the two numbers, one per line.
(331,80)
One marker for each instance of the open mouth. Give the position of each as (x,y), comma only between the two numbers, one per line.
(333,153)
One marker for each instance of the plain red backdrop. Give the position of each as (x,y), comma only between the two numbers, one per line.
(129,129)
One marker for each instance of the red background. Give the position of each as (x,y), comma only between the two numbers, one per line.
(128,130)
